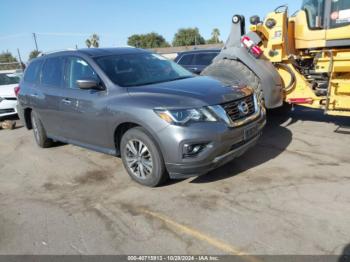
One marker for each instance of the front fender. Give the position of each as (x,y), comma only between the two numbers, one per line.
(141,117)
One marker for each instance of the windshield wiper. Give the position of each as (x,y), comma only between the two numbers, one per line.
(161,81)
(146,84)
(178,78)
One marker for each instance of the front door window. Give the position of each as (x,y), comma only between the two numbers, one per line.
(79,69)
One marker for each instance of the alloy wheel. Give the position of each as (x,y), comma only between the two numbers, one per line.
(35,129)
(138,159)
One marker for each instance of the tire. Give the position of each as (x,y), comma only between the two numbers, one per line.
(232,72)
(39,132)
(147,167)
(285,109)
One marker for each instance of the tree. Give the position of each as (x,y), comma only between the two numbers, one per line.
(8,61)
(216,34)
(88,43)
(215,37)
(34,54)
(135,40)
(93,41)
(150,40)
(188,36)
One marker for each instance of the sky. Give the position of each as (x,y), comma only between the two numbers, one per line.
(63,24)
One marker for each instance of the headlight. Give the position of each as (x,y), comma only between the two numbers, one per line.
(183,116)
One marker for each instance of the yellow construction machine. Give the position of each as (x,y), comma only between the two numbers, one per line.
(300,59)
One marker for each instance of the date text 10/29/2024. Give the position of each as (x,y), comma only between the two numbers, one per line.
(173,258)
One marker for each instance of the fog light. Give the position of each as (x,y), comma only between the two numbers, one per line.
(192,150)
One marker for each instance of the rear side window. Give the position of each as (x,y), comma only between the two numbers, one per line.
(186,60)
(32,73)
(52,72)
(204,58)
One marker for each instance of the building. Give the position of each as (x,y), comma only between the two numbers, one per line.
(171,52)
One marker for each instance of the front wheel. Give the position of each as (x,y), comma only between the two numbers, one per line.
(141,158)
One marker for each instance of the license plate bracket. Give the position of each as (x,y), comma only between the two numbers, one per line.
(250,132)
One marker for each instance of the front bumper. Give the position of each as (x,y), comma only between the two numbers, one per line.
(224,144)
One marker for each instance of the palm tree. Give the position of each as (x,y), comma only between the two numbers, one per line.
(216,34)
(93,41)
(33,54)
(88,43)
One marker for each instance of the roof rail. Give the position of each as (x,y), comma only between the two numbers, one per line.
(56,51)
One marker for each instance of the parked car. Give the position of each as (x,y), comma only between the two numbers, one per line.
(8,99)
(161,119)
(196,60)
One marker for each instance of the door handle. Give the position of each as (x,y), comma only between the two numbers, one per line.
(66,101)
(194,68)
(34,95)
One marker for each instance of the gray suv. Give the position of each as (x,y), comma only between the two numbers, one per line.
(162,120)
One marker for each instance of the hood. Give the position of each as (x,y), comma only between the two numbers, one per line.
(191,92)
(7,90)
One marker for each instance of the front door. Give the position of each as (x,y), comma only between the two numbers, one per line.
(83,110)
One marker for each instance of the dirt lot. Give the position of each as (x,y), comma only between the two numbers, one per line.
(288,195)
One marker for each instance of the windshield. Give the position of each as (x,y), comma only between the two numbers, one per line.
(141,69)
(314,11)
(9,79)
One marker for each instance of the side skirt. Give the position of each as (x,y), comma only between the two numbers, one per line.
(107,151)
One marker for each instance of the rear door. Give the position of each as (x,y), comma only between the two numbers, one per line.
(83,110)
(29,83)
(46,95)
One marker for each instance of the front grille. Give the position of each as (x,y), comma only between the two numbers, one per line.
(5,111)
(240,108)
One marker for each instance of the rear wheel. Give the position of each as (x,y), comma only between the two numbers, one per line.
(39,132)
(232,72)
(141,158)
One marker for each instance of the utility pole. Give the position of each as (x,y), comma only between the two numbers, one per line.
(36,44)
(20,59)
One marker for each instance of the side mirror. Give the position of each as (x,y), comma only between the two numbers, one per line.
(88,84)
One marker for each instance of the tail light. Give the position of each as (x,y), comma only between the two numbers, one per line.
(254,49)
(17,89)
(300,100)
